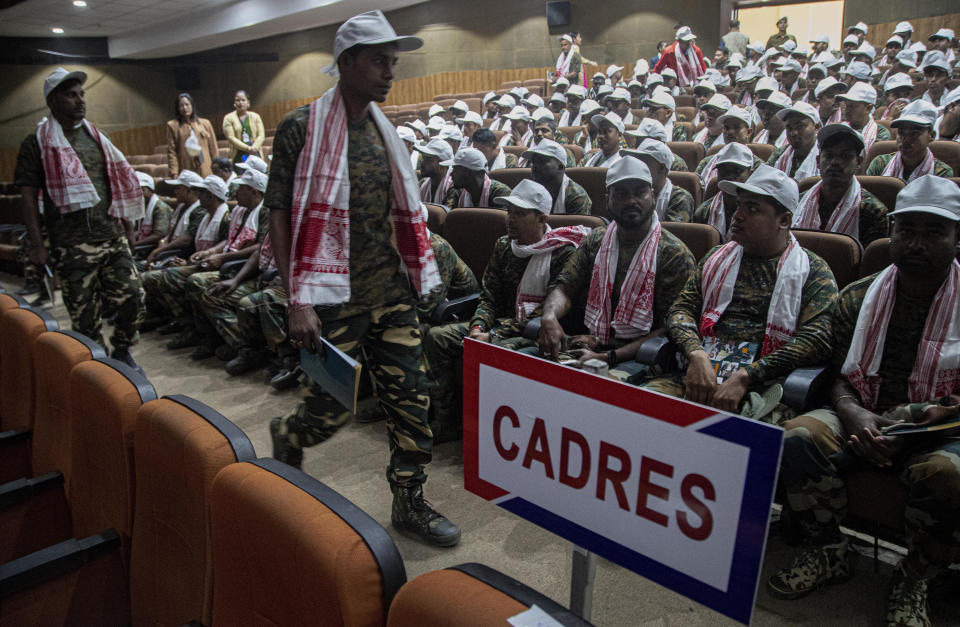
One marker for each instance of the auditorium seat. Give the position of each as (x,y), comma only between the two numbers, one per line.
(841,252)
(691,152)
(886,124)
(594,181)
(288,549)
(576,150)
(181,445)
(712,188)
(515,150)
(761,151)
(881,148)
(508,85)
(684,100)
(440,97)
(714,149)
(473,232)
(473,104)
(436,214)
(510,176)
(876,257)
(561,220)
(537,86)
(947,151)
(885,188)
(570,131)
(690,182)
(470,595)
(19,329)
(687,113)
(699,238)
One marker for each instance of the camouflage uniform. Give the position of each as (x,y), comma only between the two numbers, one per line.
(873,222)
(679,165)
(456,278)
(511,160)
(162,213)
(701,215)
(815,455)
(497,189)
(381,313)
(152,278)
(680,206)
(675,264)
(495,314)
(776,40)
(576,201)
(879,164)
(744,320)
(89,249)
(679,134)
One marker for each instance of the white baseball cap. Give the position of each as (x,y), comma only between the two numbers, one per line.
(528,194)
(599,75)
(628,170)
(655,149)
(519,112)
(950,97)
(828,83)
(507,101)
(613,69)
(471,116)
(895,39)
(565,37)
(736,60)
(766,83)
(634,83)
(641,67)
(450,131)
(896,81)
(491,95)
(737,113)
(748,73)
(215,185)
(860,26)
(577,90)
(558,97)
(541,113)
(685,34)
(943,33)
(459,105)
(767,181)
(588,106)
(619,93)
(930,194)
(370,29)
(788,46)
(791,65)
(735,153)
(58,76)
(705,85)
(256,180)
(801,108)
(918,47)
(256,163)
(436,147)
(936,59)
(777,99)
(469,158)
(860,92)
(186,178)
(654,78)
(648,127)
(851,39)
(904,27)
(831,61)
(561,82)
(865,50)
(668,71)
(820,39)
(817,67)
(547,148)
(757,47)
(436,123)
(907,58)
(533,100)
(661,99)
(859,70)
(610,117)
(435,110)
(406,133)
(146,180)
(416,125)
(917,112)
(603,91)
(717,101)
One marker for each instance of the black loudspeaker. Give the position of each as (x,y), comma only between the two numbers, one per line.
(186,77)
(558,13)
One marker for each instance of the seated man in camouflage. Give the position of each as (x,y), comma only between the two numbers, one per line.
(520,133)
(773,132)
(858,106)
(735,162)
(547,129)
(712,131)
(624,276)
(471,185)
(798,158)
(186,216)
(586,137)
(497,158)
(651,129)
(756,308)
(913,159)
(156,215)
(661,107)
(737,128)
(435,181)
(547,168)
(895,359)
(837,203)
(508,296)
(672,202)
(609,139)
(619,102)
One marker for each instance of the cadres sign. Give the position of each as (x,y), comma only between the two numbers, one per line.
(671,490)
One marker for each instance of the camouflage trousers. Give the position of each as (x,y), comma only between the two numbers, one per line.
(390,337)
(31,273)
(262,317)
(94,274)
(167,287)
(811,471)
(248,317)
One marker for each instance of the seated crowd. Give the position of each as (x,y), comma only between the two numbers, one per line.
(742,318)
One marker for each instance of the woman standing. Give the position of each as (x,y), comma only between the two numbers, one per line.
(191,143)
(244,129)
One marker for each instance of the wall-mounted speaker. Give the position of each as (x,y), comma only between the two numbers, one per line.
(558,13)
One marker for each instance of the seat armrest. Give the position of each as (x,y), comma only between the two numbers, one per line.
(142,250)
(15,458)
(659,352)
(455,310)
(231,268)
(806,388)
(531,331)
(23,489)
(54,561)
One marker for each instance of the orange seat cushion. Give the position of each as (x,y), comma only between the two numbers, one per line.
(450,598)
(18,330)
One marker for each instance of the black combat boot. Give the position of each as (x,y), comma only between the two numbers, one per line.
(415,516)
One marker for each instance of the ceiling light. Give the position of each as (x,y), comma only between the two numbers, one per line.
(79,3)
(57,30)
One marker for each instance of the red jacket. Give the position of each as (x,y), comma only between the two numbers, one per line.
(668,59)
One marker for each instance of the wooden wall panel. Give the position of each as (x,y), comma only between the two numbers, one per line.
(923,28)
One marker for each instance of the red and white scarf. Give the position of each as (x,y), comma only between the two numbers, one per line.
(208,233)
(525,140)
(436,196)
(895,167)
(146,224)
(688,66)
(720,275)
(717,217)
(845,217)
(746,99)
(936,371)
(806,169)
(320,248)
(834,117)
(710,171)
(560,204)
(465,200)
(243,229)
(536,276)
(68,184)
(563,62)
(634,314)
(763,137)
(663,199)
(869,132)
(267,260)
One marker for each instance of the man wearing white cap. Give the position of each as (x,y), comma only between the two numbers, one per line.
(821,48)
(825,96)
(683,57)
(246,230)
(505,105)
(859,30)
(936,69)
(598,80)
(948,126)
(734,162)
(619,102)
(91,201)
(773,128)
(858,105)
(662,107)
(702,92)
(895,358)
(451,134)
(546,128)
(712,131)
(490,110)
(523,263)
(156,215)
(670,81)
(905,31)
(651,129)
(904,62)
(569,63)
(352,246)
(890,51)
(435,181)
(184,222)
(672,203)
(857,71)
(761,292)
(409,138)
(457,110)
(520,133)
(571,116)
(608,141)
(790,81)
(897,90)
(781,36)
(561,85)
(737,128)
(470,123)
(497,158)
(624,275)
(799,157)
(942,41)
(837,203)
(913,158)
(470,185)
(548,162)
(556,104)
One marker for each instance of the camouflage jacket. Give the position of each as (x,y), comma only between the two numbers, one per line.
(456,278)
(681,206)
(497,189)
(879,164)
(873,222)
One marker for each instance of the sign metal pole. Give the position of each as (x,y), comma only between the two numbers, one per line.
(581,581)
